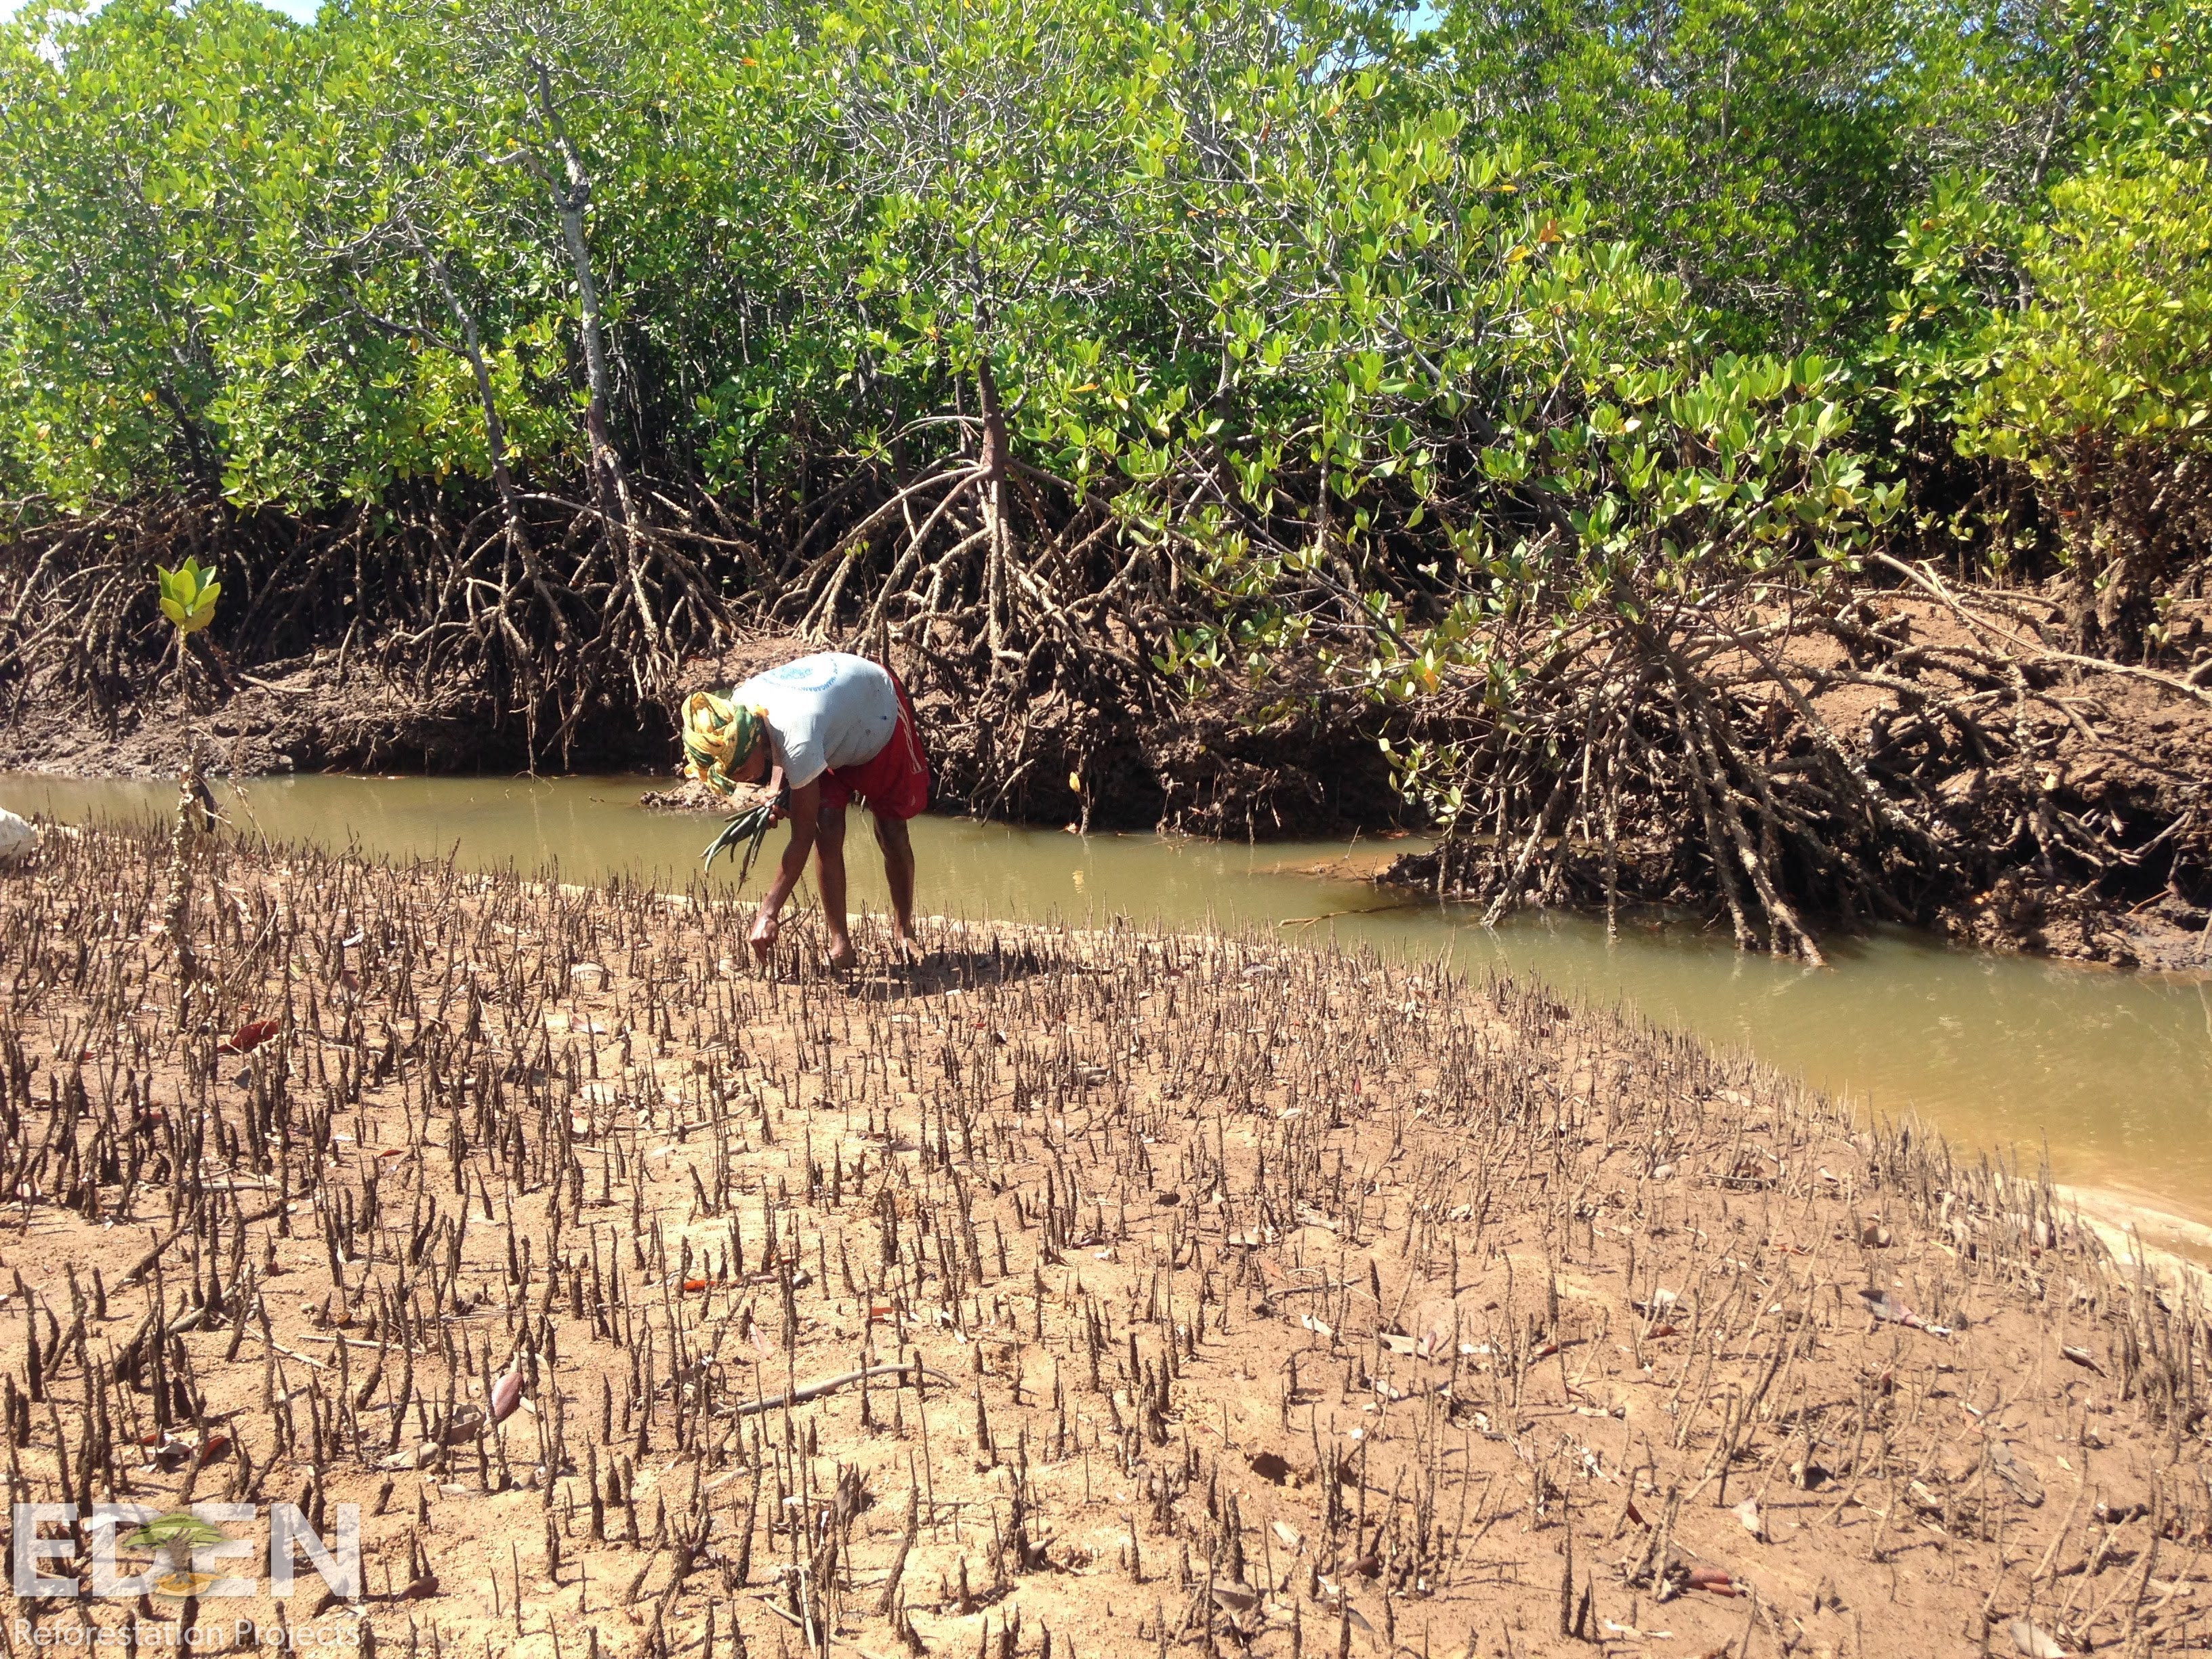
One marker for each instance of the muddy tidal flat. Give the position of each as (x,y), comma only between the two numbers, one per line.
(1117,1292)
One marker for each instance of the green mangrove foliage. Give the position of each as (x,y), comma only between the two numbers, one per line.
(2069,338)
(1525,381)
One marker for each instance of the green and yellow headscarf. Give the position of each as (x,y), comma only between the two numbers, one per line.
(719,735)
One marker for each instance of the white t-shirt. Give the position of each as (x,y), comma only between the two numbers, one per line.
(828,710)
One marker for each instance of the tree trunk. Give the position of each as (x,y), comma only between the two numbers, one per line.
(518,531)
(196,445)
(2120,564)
(997,582)
(570,196)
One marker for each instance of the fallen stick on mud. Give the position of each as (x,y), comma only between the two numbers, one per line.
(288,1353)
(2102,665)
(800,1396)
(139,1269)
(828,1639)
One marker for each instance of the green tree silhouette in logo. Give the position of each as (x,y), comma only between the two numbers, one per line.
(172,1538)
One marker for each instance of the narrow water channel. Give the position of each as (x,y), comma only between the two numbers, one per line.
(2111,1070)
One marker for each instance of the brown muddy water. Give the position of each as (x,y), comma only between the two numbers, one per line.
(2111,1071)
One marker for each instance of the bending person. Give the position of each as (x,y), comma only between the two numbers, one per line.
(830,728)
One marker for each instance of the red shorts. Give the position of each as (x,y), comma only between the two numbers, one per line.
(895,784)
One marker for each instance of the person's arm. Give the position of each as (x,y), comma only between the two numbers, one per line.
(804,813)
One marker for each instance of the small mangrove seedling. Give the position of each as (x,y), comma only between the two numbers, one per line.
(187,596)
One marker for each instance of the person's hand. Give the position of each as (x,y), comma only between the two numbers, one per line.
(765,928)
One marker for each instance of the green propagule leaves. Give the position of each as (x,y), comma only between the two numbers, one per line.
(188,595)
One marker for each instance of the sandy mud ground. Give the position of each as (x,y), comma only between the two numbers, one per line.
(1063,1294)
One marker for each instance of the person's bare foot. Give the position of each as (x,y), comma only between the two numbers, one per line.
(907,949)
(841,955)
